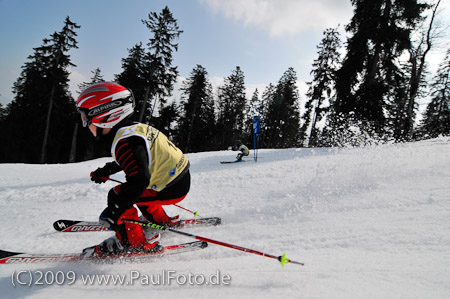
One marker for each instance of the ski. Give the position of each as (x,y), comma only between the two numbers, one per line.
(230,162)
(75,226)
(71,226)
(7,257)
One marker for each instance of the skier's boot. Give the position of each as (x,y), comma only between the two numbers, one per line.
(156,214)
(113,246)
(174,221)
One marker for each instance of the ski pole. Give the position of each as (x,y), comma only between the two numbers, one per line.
(282,258)
(111,179)
(117,181)
(195,213)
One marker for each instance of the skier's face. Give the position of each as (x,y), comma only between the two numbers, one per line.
(93,130)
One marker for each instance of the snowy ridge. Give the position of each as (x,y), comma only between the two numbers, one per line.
(367,222)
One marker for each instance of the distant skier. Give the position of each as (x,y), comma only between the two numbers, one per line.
(156,171)
(239,146)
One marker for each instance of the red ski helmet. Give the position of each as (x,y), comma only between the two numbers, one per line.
(105,104)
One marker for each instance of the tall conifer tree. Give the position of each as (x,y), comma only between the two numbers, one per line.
(134,77)
(380,33)
(283,119)
(197,121)
(148,72)
(84,145)
(43,104)
(436,119)
(266,102)
(321,88)
(160,75)
(253,110)
(232,102)
(403,109)
(97,77)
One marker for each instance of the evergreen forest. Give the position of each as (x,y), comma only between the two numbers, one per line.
(363,90)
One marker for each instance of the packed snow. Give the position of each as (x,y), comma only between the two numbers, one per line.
(369,222)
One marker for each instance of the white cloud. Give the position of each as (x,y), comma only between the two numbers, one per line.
(250,89)
(281,17)
(76,78)
(215,81)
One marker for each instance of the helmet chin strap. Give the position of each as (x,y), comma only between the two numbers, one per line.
(98,133)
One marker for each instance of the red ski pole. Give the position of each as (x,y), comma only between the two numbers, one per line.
(195,213)
(282,258)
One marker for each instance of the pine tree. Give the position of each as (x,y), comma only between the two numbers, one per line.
(283,119)
(380,33)
(231,106)
(255,104)
(83,143)
(436,120)
(54,50)
(197,121)
(3,116)
(252,111)
(2,112)
(160,75)
(167,119)
(149,72)
(266,102)
(405,105)
(97,77)
(134,77)
(321,89)
(42,115)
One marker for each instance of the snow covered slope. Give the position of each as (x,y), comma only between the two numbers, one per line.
(367,222)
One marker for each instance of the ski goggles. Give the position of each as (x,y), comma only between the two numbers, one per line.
(85,119)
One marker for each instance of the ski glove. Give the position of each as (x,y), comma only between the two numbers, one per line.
(100,175)
(109,218)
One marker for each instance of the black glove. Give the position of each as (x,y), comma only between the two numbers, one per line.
(109,218)
(100,175)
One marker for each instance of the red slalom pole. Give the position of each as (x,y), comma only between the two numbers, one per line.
(282,258)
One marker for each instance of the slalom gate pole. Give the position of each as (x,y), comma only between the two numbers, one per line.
(255,155)
(282,258)
(257,148)
(117,181)
(256,130)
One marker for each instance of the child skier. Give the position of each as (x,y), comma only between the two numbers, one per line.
(157,172)
(239,146)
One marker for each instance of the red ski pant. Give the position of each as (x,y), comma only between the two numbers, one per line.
(150,204)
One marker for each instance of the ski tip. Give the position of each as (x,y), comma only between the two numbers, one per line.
(196,214)
(61,224)
(58,226)
(5,254)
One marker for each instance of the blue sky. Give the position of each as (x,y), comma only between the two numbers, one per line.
(263,37)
